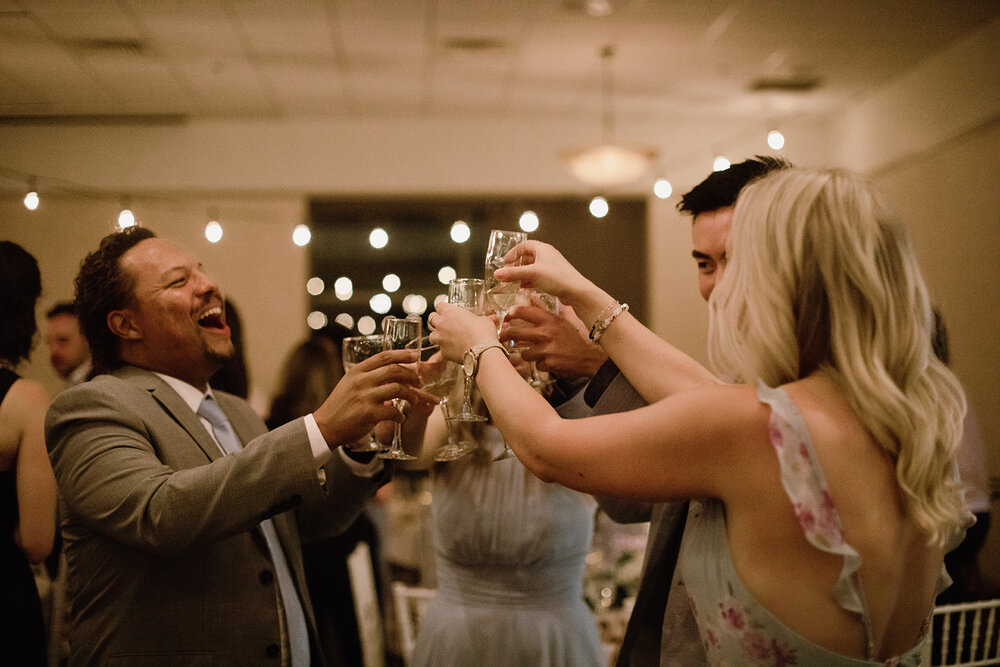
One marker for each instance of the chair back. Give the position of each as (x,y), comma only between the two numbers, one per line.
(964,634)
(366,606)
(410,603)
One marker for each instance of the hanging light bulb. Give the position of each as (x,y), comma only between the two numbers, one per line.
(528,221)
(213,231)
(662,188)
(301,235)
(776,140)
(460,232)
(125,217)
(608,163)
(31,198)
(599,207)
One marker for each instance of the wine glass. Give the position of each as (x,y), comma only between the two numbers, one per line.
(500,296)
(440,377)
(547,302)
(355,350)
(399,334)
(467,293)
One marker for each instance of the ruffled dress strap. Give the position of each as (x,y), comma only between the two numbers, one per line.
(803,480)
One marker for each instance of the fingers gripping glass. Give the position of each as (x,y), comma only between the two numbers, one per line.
(400,334)
(551,304)
(468,294)
(355,350)
(500,296)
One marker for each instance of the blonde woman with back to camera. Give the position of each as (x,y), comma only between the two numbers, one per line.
(825,477)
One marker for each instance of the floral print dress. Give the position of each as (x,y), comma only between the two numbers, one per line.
(735,629)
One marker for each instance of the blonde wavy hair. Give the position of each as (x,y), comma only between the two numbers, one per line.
(822,276)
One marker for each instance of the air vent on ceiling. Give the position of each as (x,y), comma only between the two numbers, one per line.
(791,84)
(474,44)
(110,45)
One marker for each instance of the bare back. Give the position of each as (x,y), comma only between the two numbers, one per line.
(791,577)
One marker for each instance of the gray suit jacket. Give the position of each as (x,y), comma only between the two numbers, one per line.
(644,634)
(166,564)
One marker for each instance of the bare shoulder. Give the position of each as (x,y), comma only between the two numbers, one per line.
(26,397)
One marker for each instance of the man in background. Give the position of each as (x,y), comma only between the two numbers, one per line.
(69,352)
(661,629)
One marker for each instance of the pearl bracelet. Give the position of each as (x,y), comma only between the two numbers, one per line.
(605,319)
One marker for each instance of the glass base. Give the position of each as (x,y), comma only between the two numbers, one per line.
(468,417)
(396,456)
(505,454)
(452,452)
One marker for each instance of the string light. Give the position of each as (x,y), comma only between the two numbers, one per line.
(599,207)
(460,232)
(301,235)
(776,140)
(125,217)
(31,198)
(662,188)
(315,286)
(528,221)
(213,231)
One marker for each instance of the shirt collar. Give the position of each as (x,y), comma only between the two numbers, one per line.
(189,393)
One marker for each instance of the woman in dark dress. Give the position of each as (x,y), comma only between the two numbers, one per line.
(27,485)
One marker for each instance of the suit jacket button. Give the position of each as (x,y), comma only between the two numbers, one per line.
(266,577)
(273,651)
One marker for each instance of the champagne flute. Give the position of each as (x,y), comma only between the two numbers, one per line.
(399,334)
(355,350)
(547,302)
(500,296)
(441,379)
(467,293)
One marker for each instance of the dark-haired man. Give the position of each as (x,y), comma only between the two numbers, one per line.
(661,629)
(181,510)
(69,353)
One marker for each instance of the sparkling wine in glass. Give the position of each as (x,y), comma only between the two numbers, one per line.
(400,334)
(355,350)
(467,293)
(500,296)
(440,377)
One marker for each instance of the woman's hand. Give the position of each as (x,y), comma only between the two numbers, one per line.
(540,266)
(456,330)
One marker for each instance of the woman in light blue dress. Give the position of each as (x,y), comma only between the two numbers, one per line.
(825,485)
(510,562)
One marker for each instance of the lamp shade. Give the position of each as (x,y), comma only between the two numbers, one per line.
(609,165)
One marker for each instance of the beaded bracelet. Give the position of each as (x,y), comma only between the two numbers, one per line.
(605,319)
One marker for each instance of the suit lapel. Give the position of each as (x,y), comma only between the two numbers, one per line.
(172,404)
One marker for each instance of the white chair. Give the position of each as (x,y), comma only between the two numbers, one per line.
(964,634)
(410,603)
(366,606)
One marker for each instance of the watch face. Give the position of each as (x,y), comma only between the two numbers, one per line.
(469,363)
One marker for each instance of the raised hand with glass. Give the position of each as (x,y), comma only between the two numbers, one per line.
(355,350)
(500,296)
(532,297)
(467,293)
(400,334)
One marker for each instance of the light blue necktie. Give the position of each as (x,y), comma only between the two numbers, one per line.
(298,630)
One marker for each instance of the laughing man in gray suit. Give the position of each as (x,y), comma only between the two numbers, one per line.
(181,512)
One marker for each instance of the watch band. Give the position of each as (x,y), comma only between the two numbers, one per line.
(476,351)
